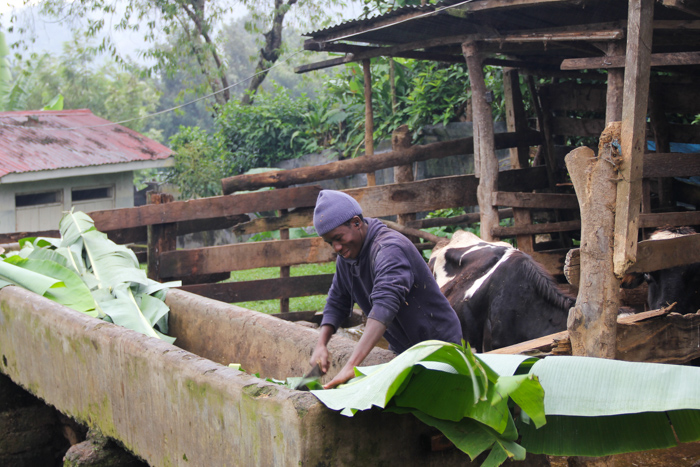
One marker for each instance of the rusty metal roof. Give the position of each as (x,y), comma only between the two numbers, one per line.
(36,140)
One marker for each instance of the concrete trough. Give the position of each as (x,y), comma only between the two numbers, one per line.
(182,405)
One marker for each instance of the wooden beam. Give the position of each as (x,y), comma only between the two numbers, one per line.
(491,5)
(690,7)
(534,229)
(465,219)
(535,200)
(618,61)
(632,136)
(650,336)
(206,208)
(267,289)
(653,255)
(241,256)
(363,165)
(161,237)
(616,83)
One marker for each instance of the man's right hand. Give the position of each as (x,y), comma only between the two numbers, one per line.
(320,354)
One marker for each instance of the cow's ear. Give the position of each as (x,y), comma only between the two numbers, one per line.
(632,280)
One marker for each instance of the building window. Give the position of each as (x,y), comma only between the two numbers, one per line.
(87,194)
(36,199)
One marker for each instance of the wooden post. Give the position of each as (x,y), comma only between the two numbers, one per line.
(633,140)
(392,84)
(161,237)
(659,125)
(543,123)
(484,150)
(616,81)
(369,118)
(284,270)
(592,322)
(515,116)
(401,140)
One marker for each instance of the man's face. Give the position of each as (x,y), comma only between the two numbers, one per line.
(346,240)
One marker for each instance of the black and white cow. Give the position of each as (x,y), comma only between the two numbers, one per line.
(679,285)
(501,295)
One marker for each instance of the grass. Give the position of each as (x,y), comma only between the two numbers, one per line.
(314,302)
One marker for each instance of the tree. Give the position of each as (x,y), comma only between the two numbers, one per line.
(194,25)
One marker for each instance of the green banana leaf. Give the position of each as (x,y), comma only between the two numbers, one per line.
(74,294)
(30,280)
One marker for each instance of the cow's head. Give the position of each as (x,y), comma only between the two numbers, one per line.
(679,285)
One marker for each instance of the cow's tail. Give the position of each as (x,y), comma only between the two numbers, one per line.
(544,283)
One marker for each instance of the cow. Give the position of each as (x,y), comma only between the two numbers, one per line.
(501,295)
(679,285)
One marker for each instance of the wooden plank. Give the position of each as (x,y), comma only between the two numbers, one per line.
(464,219)
(577,97)
(533,229)
(551,260)
(652,220)
(653,255)
(671,165)
(651,336)
(691,7)
(242,256)
(633,141)
(437,193)
(507,4)
(267,289)
(618,61)
(584,127)
(535,200)
(206,208)
(297,218)
(359,165)
(616,81)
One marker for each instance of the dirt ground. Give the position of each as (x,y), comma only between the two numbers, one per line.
(683,455)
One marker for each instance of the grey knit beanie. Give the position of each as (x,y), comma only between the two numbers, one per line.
(333,208)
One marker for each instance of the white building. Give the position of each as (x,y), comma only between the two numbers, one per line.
(51,161)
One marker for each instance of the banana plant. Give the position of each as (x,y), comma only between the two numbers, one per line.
(87,272)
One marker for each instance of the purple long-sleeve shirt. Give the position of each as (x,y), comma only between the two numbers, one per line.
(391,283)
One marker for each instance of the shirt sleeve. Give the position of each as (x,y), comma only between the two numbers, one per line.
(393,279)
(338,304)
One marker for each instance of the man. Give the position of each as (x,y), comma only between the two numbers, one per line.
(381,271)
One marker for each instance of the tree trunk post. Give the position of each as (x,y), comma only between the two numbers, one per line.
(401,140)
(369,118)
(161,237)
(592,322)
(484,149)
(616,82)
(633,132)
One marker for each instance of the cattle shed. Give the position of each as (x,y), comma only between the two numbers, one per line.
(621,69)
(51,161)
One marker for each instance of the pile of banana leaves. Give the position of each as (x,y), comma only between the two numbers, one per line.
(87,272)
(566,406)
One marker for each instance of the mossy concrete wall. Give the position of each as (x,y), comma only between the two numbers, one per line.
(172,407)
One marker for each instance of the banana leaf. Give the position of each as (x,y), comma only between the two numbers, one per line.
(74,294)
(30,280)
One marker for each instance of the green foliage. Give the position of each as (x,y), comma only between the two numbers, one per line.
(198,164)
(86,271)
(273,129)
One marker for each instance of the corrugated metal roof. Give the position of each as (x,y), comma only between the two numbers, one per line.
(49,140)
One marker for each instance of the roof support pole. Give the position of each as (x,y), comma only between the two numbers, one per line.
(633,140)
(616,81)
(485,161)
(369,118)
(515,116)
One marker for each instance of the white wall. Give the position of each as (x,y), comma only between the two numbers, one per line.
(44,217)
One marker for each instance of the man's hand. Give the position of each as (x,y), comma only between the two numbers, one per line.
(348,372)
(373,332)
(320,354)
